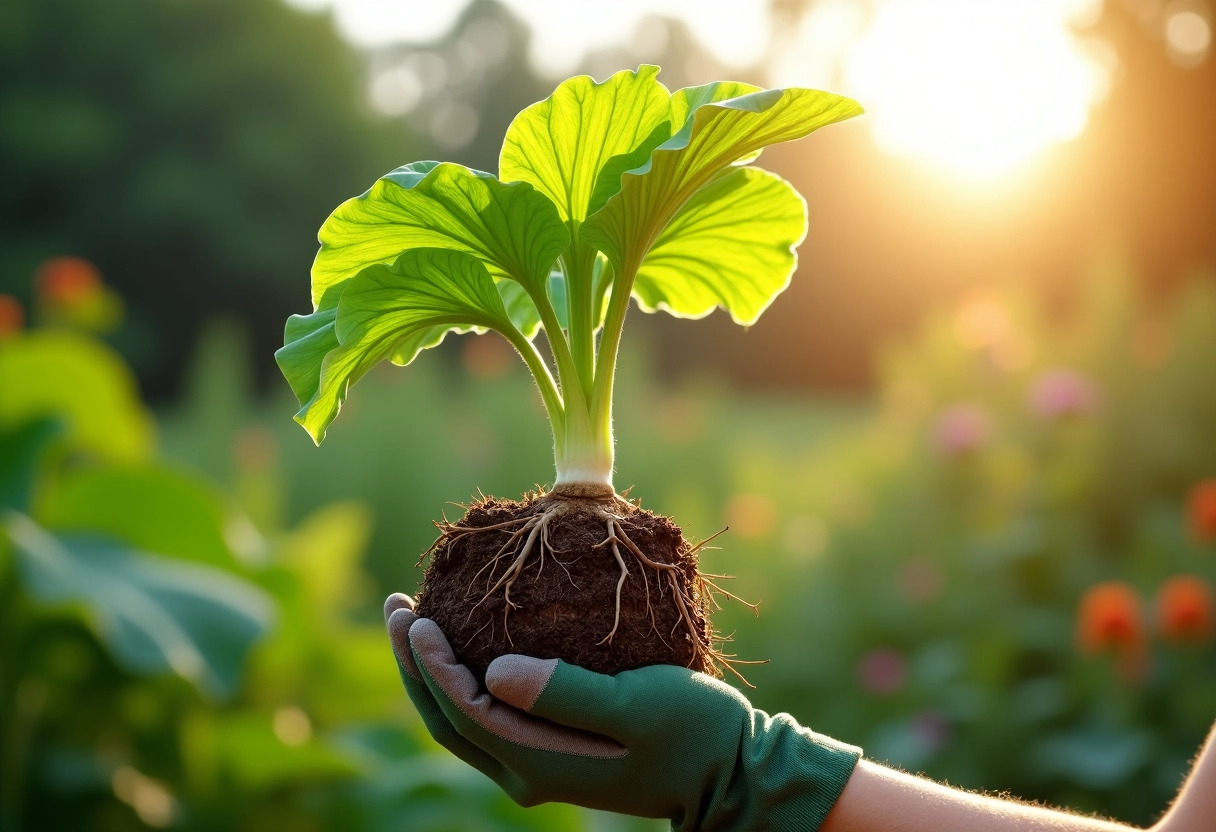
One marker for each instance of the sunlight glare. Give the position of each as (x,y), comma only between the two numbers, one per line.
(978,87)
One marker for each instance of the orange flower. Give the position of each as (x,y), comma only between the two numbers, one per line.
(1201,511)
(1109,616)
(65,280)
(12,316)
(1185,609)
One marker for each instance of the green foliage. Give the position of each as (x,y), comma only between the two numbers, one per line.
(81,383)
(624,167)
(731,245)
(166,661)
(154,615)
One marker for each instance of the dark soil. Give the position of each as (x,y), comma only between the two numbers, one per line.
(565,606)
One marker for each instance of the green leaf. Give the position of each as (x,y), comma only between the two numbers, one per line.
(731,245)
(23,452)
(307,339)
(394,312)
(155,509)
(716,134)
(153,614)
(572,145)
(522,311)
(514,230)
(80,382)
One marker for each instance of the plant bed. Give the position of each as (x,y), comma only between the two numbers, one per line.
(606,192)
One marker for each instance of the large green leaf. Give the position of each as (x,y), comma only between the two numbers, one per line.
(715,135)
(153,508)
(154,614)
(81,383)
(731,245)
(572,145)
(23,455)
(394,312)
(512,228)
(307,339)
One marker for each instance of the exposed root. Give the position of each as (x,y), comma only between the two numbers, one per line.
(684,604)
(533,527)
(616,618)
(528,537)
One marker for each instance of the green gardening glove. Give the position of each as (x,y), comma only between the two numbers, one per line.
(659,742)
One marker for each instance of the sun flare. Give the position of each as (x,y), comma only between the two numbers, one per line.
(980,87)
(977,87)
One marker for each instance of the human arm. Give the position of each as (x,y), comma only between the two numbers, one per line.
(877,798)
(880,798)
(1195,808)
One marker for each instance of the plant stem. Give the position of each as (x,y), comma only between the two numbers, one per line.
(544,379)
(580,267)
(605,368)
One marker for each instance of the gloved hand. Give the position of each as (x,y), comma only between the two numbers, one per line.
(659,742)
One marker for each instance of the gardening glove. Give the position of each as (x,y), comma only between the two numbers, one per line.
(659,742)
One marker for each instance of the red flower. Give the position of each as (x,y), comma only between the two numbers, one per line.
(1201,511)
(65,280)
(12,316)
(1185,609)
(1109,617)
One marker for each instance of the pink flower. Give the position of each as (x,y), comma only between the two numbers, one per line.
(961,428)
(882,671)
(1059,393)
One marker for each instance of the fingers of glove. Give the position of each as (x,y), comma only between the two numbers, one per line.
(481,717)
(557,691)
(399,616)
(398,609)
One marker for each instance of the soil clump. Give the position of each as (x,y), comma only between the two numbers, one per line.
(560,599)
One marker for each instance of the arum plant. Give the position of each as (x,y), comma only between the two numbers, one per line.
(606,192)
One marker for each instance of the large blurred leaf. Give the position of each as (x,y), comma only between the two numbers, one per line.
(1097,757)
(512,228)
(415,788)
(731,245)
(81,382)
(574,145)
(156,509)
(716,133)
(253,755)
(396,312)
(22,451)
(154,614)
(325,551)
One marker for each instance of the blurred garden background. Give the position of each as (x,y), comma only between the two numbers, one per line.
(968,459)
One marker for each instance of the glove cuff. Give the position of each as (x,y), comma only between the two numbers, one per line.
(786,777)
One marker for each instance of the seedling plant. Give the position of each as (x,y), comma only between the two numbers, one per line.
(606,192)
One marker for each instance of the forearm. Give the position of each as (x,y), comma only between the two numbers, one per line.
(878,798)
(1196,804)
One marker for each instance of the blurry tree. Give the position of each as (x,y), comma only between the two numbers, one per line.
(459,93)
(191,149)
